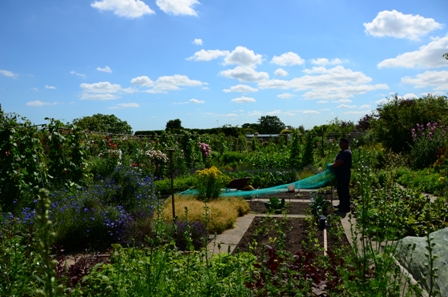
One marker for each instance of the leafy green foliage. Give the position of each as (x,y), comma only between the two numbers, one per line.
(103,123)
(270,125)
(173,125)
(274,204)
(396,119)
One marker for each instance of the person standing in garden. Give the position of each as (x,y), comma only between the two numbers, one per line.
(342,169)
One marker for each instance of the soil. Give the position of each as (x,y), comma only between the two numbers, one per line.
(296,230)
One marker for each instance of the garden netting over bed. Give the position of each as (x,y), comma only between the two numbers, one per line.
(312,182)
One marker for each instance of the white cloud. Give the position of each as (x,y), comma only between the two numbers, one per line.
(399,25)
(178,7)
(8,73)
(196,101)
(335,83)
(247,74)
(287,59)
(243,100)
(280,72)
(322,102)
(38,103)
(125,105)
(171,83)
(285,96)
(105,69)
(244,57)
(99,97)
(197,41)
(274,84)
(325,61)
(342,92)
(101,87)
(50,87)
(279,112)
(346,106)
(78,74)
(364,106)
(124,8)
(180,103)
(143,81)
(343,101)
(426,56)
(436,79)
(254,113)
(208,55)
(309,111)
(410,96)
(356,112)
(240,88)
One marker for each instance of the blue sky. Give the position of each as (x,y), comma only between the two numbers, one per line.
(213,62)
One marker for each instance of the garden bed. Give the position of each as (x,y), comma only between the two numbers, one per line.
(296,236)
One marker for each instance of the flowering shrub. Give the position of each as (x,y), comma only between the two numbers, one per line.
(205,150)
(209,182)
(427,140)
(193,232)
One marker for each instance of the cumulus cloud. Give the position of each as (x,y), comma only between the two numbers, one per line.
(280,72)
(346,106)
(436,79)
(50,87)
(170,83)
(143,81)
(197,41)
(125,105)
(240,88)
(78,74)
(285,96)
(280,112)
(427,56)
(325,61)
(335,83)
(396,24)
(101,87)
(104,69)
(8,73)
(124,8)
(310,111)
(246,74)
(410,96)
(178,7)
(196,101)
(38,103)
(364,106)
(100,91)
(356,112)
(243,100)
(208,55)
(243,56)
(287,59)
(99,97)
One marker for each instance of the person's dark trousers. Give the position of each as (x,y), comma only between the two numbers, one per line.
(343,182)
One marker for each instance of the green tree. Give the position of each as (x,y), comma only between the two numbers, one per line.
(395,119)
(173,125)
(445,55)
(270,125)
(103,123)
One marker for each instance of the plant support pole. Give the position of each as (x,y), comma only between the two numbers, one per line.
(170,151)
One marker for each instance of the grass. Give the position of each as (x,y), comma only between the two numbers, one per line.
(221,213)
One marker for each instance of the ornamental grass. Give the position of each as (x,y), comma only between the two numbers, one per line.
(218,215)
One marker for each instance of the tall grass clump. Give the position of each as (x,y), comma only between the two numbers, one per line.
(222,212)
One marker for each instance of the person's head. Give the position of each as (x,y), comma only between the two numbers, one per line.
(344,143)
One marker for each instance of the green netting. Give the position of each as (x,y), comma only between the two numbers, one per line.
(312,182)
